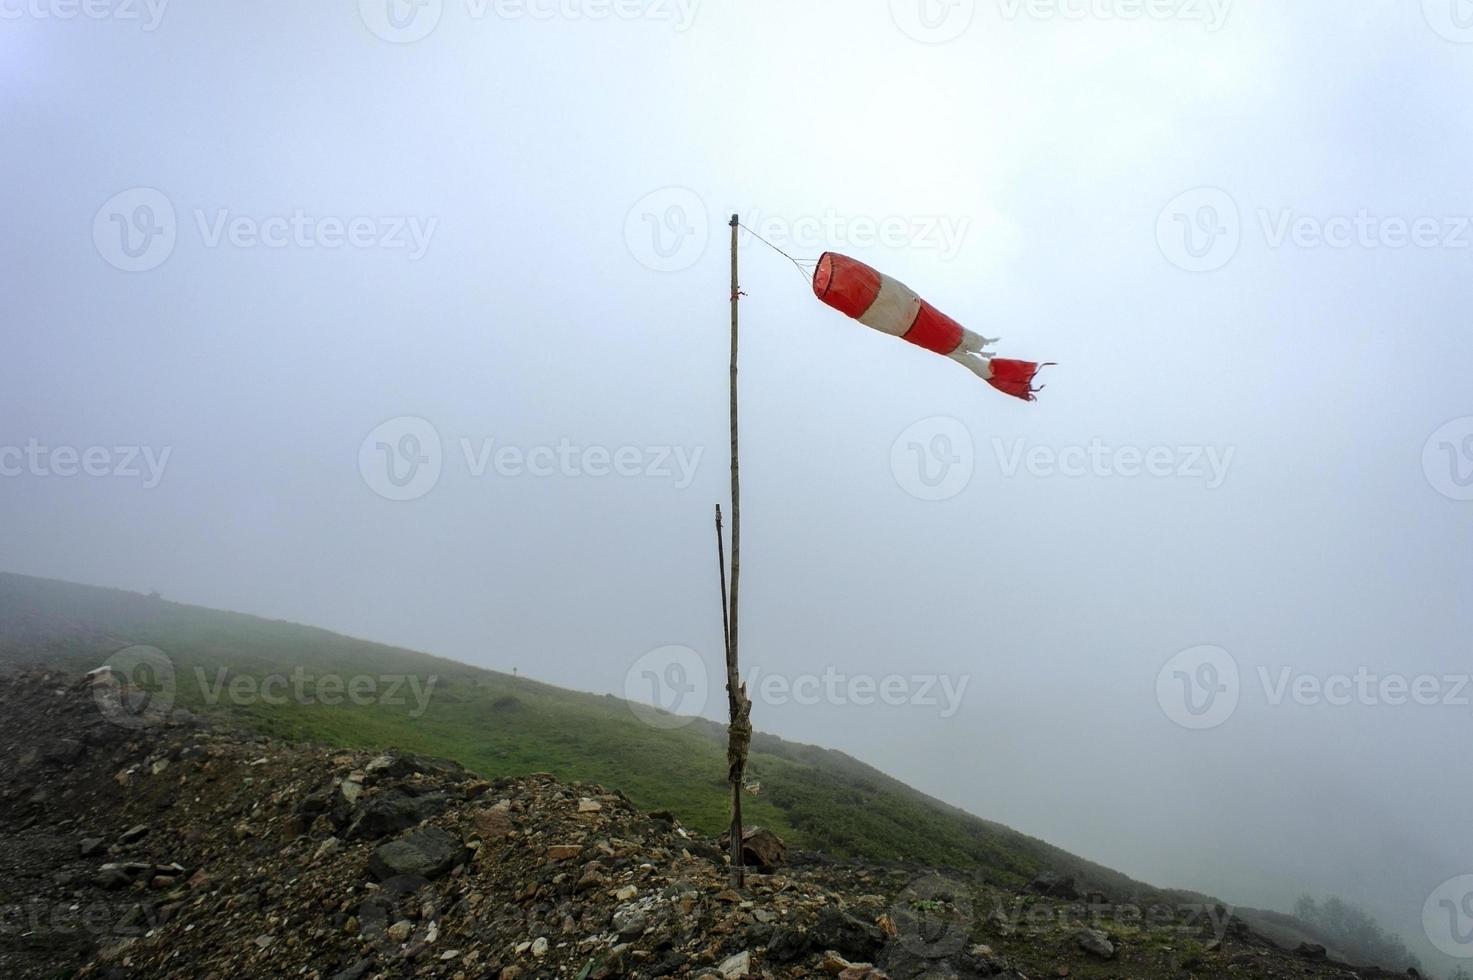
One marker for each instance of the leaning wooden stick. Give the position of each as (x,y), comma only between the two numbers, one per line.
(721,570)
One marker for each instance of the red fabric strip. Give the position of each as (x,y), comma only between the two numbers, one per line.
(934,330)
(846,284)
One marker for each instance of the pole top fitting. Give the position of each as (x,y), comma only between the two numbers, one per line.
(736,220)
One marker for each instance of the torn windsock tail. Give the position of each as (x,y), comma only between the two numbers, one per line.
(978,363)
(1007,376)
(1015,377)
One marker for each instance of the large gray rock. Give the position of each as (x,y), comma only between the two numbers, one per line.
(398,765)
(429,852)
(736,966)
(851,937)
(120,875)
(788,944)
(390,812)
(1095,943)
(1053,885)
(61,752)
(633,918)
(761,848)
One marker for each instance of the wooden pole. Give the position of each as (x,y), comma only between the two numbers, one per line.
(739,732)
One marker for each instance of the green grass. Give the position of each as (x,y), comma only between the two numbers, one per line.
(499,725)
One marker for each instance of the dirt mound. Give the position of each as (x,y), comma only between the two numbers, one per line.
(137,845)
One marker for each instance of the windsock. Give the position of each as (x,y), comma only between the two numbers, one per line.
(891,307)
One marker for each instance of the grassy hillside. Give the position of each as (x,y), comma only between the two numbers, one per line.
(500,725)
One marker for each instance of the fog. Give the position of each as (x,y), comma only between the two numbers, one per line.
(411,321)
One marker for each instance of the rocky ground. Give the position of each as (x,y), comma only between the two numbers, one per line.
(139,844)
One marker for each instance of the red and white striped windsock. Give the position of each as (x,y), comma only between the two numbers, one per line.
(891,307)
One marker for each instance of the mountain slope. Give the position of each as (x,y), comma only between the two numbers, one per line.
(182,850)
(501,726)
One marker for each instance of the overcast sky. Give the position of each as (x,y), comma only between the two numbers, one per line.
(411,322)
